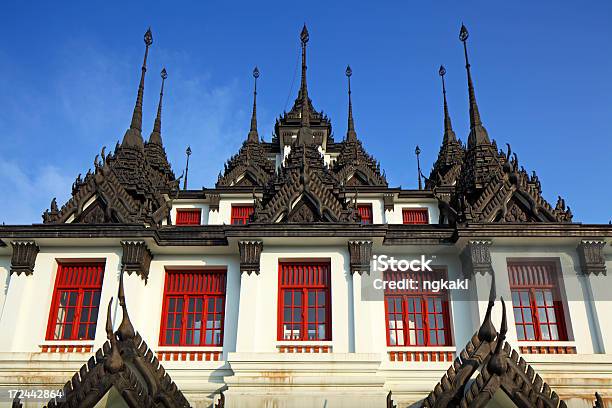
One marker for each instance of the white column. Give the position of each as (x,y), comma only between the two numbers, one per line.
(247,313)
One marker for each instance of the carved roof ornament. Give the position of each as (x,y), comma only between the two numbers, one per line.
(354,166)
(154,150)
(360,254)
(126,185)
(447,167)
(136,258)
(499,368)
(592,259)
(303,121)
(126,363)
(23,257)
(250,256)
(251,166)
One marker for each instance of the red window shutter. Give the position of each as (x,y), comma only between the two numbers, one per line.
(365,211)
(417,317)
(241,214)
(538,310)
(415,216)
(188,216)
(193,308)
(76,301)
(304,312)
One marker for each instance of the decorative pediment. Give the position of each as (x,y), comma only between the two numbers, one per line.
(500,368)
(250,167)
(304,191)
(125,364)
(116,192)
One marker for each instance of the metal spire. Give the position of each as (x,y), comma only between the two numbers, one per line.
(449,135)
(253,135)
(304,37)
(188,153)
(156,134)
(351,135)
(133,136)
(478,133)
(417,151)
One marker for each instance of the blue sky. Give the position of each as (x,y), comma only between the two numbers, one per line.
(69,73)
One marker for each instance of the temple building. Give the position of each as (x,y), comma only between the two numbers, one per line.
(268,289)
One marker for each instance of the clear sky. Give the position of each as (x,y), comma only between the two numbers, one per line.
(69,74)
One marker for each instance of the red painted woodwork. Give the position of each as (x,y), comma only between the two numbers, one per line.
(188,216)
(365,211)
(538,310)
(241,214)
(415,216)
(76,301)
(193,308)
(417,317)
(304,301)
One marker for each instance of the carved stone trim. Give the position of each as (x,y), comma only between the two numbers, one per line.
(214,202)
(360,255)
(24,257)
(136,258)
(476,258)
(250,255)
(591,256)
(388,201)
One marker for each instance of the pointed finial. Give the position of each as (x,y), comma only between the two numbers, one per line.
(112,362)
(487,330)
(133,136)
(156,134)
(188,153)
(417,151)
(351,135)
(497,363)
(478,133)
(126,330)
(449,134)
(253,135)
(303,94)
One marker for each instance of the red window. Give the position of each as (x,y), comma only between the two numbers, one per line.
(365,211)
(241,214)
(415,216)
(538,310)
(304,301)
(76,300)
(194,308)
(191,216)
(416,317)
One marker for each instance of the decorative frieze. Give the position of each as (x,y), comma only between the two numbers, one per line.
(214,202)
(136,258)
(389,201)
(24,257)
(591,256)
(250,255)
(476,258)
(360,253)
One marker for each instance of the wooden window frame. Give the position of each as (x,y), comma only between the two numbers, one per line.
(189,218)
(217,278)
(423,297)
(365,209)
(415,210)
(304,288)
(531,288)
(244,219)
(92,285)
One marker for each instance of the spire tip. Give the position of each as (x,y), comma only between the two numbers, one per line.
(304,36)
(442,71)
(463,33)
(148,37)
(163,73)
(348,71)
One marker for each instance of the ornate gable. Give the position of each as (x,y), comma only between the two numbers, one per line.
(124,363)
(355,167)
(304,190)
(499,368)
(250,167)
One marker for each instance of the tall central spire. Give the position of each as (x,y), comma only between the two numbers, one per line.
(156,134)
(304,37)
(133,136)
(253,135)
(449,134)
(351,135)
(478,133)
